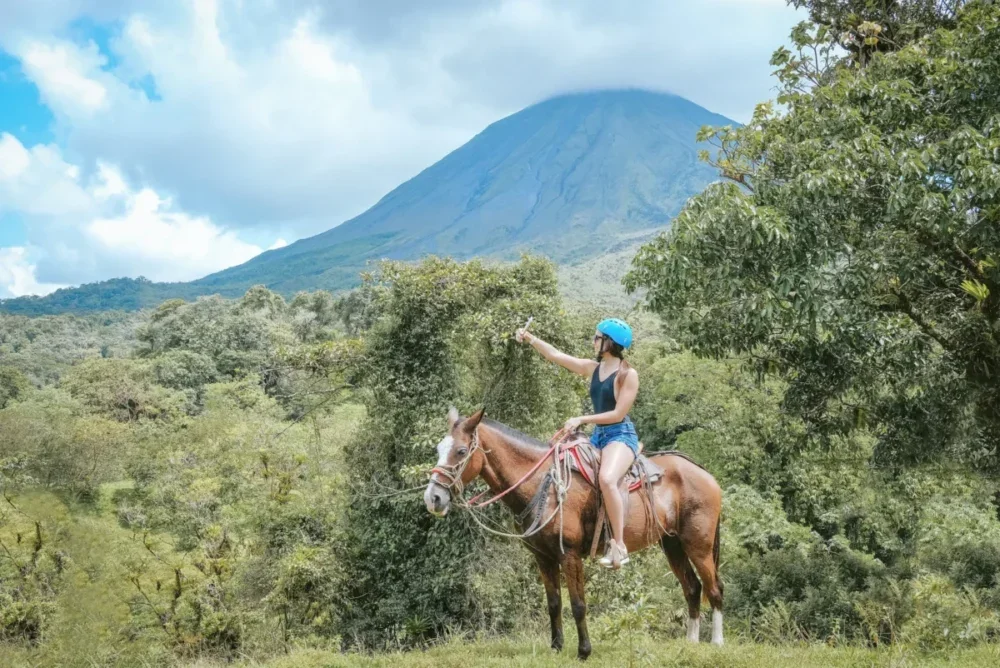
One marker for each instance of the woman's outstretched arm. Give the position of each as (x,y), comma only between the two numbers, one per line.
(553,354)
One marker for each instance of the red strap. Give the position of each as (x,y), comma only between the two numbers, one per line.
(579,464)
(556,440)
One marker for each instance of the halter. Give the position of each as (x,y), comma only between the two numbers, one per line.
(454,473)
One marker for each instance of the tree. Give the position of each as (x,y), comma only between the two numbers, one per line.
(442,335)
(853,246)
(13,385)
(863,27)
(121,389)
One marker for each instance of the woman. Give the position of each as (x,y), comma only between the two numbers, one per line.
(613,387)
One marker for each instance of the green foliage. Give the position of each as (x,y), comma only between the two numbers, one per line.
(13,385)
(947,617)
(443,335)
(720,415)
(250,512)
(296,351)
(129,294)
(787,581)
(184,369)
(234,336)
(864,27)
(121,389)
(962,542)
(43,348)
(52,441)
(837,253)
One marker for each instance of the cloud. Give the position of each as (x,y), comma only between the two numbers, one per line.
(38,181)
(17,274)
(282,119)
(297,115)
(60,72)
(89,231)
(169,245)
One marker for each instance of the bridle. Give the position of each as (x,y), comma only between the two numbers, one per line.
(453,472)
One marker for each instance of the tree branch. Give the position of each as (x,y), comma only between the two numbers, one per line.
(906,307)
(969,262)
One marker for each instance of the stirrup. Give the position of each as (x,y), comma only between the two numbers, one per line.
(615,557)
(607,559)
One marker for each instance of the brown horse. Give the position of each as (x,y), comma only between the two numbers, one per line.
(688,502)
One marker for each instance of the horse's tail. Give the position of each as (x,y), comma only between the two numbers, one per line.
(715,547)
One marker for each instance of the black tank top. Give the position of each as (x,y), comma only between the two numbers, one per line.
(602,393)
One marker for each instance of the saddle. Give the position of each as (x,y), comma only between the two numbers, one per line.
(642,475)
(586,459)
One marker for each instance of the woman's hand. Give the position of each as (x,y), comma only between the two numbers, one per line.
(522,335)
(573,424)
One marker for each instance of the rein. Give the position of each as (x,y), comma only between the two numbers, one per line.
(562,479)
(557,440)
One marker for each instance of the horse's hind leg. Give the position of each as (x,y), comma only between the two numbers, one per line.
(681,567)
(705,560)
(549,568)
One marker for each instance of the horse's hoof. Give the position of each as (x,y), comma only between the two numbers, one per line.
(583,652)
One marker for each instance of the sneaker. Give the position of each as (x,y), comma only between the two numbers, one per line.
(615,557)
(608,559)
(622,554)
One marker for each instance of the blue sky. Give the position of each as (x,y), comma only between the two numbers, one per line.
(22,113)
(174,139)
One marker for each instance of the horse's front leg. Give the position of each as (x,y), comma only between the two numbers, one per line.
(573,568)
(549,569)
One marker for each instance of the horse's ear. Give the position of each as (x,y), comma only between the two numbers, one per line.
(452,418)
(476,418)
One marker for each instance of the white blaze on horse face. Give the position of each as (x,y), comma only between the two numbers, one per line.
(434,493)
(694,629)
(717,627)
(444,449)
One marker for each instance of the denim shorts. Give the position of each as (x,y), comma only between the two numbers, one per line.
(623,432)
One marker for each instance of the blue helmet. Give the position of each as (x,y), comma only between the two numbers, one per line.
(616,330)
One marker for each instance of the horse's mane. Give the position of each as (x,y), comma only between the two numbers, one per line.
(518,436)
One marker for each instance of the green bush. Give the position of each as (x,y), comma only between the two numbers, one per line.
(788,582)
(960,541)
(947,616)
(51,440)
(443,335)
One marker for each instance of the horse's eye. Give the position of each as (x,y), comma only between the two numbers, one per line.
(463,452)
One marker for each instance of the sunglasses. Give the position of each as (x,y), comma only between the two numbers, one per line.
(599,337)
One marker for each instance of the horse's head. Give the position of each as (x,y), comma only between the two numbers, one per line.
(460,459)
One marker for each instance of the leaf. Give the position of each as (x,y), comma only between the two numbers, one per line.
(979,291)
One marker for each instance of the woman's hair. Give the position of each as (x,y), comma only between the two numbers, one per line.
(618,351)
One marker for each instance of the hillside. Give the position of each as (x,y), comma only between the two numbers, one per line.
(565,178)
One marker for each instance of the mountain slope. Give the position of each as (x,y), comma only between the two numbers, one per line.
(566,178)
(557,178)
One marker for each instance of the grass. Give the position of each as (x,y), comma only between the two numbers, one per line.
(645,652)
(513,653)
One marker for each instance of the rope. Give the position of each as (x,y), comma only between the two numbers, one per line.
(561,473)
(559,438)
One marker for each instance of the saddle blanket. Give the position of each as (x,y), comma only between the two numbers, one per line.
(586,459)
